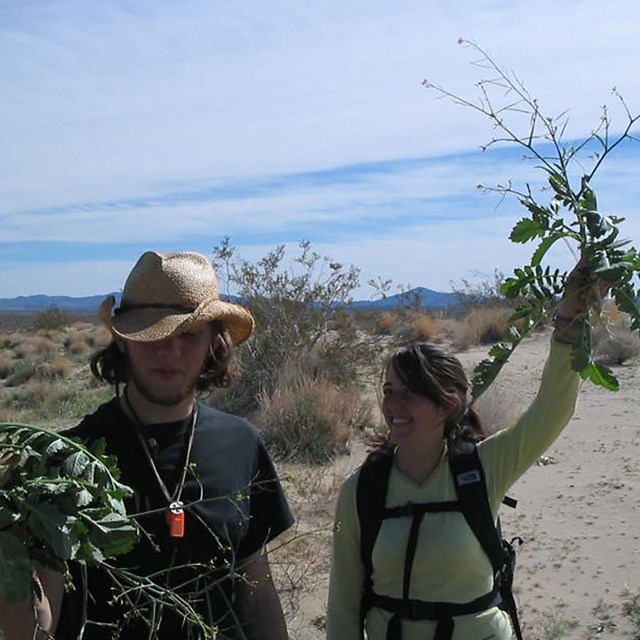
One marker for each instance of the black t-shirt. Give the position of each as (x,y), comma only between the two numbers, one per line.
(234,505)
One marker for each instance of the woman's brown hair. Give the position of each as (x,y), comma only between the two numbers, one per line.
(429,371)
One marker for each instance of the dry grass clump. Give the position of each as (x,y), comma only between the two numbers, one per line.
(77,345)
(615,342)
(7,364)
(55,335)
(83,337)
(483,325)
(385,322)
(7,340)
(53,402)
(8,414)
(31,395)
(424,327)
(46,347)
(54,370)
(99,337)
(310,418)
(26,349)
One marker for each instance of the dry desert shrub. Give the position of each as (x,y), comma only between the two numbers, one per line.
(46,347)
(482,325)
(26,349)
(22,372)
(77,344)
(54,370)
(302,557)
(31,395)
(53,318)
(631,609)
(385,322)
(614,341)
(7,414)
(310,419)
(84,336)
(299,566)
(424,327)
(7,364)
(99,337)
(55,335)
(54,402)
(7,340)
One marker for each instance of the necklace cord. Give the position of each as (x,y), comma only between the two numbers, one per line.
(177,494)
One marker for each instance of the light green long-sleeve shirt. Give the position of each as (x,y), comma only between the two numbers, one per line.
(449,564)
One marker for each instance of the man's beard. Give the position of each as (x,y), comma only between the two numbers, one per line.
(165,398)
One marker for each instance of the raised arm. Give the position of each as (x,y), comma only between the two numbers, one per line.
(510,452)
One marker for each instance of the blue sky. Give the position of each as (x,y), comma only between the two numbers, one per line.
(129,125)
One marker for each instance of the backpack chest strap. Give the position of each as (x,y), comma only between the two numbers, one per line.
(421,610)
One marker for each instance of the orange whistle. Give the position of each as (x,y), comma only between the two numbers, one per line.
(175,520)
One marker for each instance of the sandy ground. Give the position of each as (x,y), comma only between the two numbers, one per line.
(578,514)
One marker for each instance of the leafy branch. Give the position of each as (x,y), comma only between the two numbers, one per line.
(571,215)
(61,501)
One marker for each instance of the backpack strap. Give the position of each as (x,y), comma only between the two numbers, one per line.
(471,489)
(371,494)
(472,501)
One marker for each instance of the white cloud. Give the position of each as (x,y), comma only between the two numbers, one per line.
(111,105)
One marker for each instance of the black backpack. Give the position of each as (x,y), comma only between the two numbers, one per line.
(472,501)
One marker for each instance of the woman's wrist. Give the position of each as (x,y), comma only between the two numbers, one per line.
(567,329)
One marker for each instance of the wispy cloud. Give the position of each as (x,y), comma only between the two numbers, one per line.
(130,125)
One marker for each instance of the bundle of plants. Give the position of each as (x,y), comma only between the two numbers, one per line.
(62,502)
(59,501)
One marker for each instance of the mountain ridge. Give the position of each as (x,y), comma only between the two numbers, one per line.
(421,297)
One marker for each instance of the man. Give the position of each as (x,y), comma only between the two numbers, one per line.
(206,494)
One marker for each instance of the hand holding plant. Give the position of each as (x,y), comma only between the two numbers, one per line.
(571,215)
(59,501)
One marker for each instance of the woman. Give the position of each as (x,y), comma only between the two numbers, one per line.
(426,410)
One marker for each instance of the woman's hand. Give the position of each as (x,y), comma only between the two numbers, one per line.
(583,291)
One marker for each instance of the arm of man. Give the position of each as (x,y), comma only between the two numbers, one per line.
(259,606)
(18,620)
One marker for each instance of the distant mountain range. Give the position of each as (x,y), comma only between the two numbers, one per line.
(41,302)
(420,297)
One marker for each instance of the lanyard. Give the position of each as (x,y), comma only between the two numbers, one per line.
(174,514)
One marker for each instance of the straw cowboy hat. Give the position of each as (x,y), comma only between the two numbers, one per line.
(167,293)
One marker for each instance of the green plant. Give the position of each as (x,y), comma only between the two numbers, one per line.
(59,501)
(556,627)
(571,215)
(602,621)
(631,610)
(22,372)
